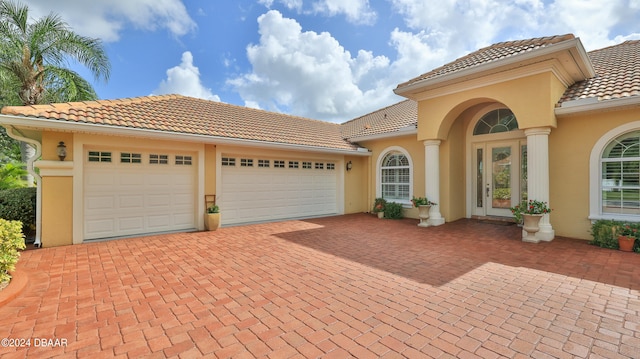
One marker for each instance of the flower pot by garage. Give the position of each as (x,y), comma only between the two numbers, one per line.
(380,215)
(531,226)
(212,221)
(423,214)
(626,243)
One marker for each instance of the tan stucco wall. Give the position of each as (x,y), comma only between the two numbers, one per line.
(416,151)
(531,98)
(57,211)
(570,147)
(50,142)
(210,169)
(356,184)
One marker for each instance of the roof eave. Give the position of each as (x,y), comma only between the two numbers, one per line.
(382,136)
(579,55)
(48,124)
(579,106)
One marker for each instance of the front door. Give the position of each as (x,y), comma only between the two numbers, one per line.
(500,177)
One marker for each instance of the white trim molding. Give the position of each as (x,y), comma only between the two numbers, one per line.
(595,194)
(432,180)
(381,157)
(538,175)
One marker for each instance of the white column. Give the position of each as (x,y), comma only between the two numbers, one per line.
(432,179)
(538,174)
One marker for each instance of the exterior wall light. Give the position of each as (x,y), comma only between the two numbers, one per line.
(349,166)
(61,150)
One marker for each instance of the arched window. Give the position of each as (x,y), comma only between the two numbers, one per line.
(496,121)
(395,177)
(620,175)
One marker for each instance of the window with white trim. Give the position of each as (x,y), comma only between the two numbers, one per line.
(264,163)
(99,156)
(228,161)
(620,175)
(183,160)
(294,164)
(496,121)
(307,165)
(126,157)
(319,165)
(331,166)
(395,177)
(278,164)
(155,159)
(246,162)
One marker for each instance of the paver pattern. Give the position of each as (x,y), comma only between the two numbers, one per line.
(335,287)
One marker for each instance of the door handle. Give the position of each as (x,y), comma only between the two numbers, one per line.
(488,189)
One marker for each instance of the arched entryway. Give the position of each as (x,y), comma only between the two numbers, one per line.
(496,162)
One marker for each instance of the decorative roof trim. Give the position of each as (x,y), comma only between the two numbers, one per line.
(587,105)
(574,43)
(381,136)
(43,123)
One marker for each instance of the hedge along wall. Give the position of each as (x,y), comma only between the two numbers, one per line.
(19,204)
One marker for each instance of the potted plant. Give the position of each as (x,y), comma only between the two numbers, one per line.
(378,206)
(517,212)
(532,211)
(501,197)
(627,236)
(424,206)
(212,218)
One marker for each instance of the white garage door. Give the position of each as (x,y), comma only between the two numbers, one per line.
(264,189)
(131,193)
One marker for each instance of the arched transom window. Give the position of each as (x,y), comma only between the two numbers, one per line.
(496,121)
(396,177)
(620,185)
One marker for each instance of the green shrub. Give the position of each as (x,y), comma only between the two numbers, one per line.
(19,204)
(11,240)
(605,236)
(393,210)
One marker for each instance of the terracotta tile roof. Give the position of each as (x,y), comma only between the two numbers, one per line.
(187,115)
(386,120)
(617,74)
(488,54)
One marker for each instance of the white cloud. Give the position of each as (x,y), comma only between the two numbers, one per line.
(311,74)
(356,11)
(184,79)
(105,19)
(466,25)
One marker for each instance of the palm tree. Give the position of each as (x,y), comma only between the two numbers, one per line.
(33,56)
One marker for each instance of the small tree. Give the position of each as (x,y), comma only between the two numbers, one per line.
(33,60)
(11,241)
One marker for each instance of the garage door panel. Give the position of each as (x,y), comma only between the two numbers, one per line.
(100,227)
(130,223)
(131,202)
(251,194)
(105,202)
(128,199)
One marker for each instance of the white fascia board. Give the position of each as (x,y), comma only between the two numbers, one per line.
(386,135)
(588,105)
(43,123)
(496,64)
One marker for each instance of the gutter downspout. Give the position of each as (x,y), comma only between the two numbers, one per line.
(11,131)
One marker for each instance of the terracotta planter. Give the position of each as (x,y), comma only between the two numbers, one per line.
(380,215)
(626,243)
(423,213)
(531,226)
(212,221)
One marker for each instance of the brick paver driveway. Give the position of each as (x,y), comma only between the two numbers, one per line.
(338,287)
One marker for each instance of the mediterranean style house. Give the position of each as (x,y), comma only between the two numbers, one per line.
(532,119)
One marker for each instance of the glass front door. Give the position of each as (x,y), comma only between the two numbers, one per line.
(500,177)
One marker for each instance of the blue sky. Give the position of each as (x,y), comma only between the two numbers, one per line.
(330,60)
